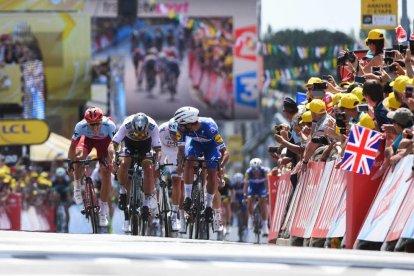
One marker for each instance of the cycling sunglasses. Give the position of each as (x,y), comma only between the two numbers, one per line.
(94,124)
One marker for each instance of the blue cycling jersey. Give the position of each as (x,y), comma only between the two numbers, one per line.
(206,134)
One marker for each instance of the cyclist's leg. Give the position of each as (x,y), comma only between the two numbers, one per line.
(102,152)
(192,149)
(82,150)
(181,208)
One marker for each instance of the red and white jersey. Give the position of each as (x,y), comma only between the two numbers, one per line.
(107,129)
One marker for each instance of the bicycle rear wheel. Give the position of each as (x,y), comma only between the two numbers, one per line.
(257,223)
(135,224)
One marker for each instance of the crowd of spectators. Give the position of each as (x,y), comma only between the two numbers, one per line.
(375,92)
(213,42)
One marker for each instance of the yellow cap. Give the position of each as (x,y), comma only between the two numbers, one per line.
(349,101)
(391,102)
(306,117)
(316,106)
(34,174)
(366,121)
(337,97)
(375,34)
(357,91)
(313,80)
(400,83)
(44,175)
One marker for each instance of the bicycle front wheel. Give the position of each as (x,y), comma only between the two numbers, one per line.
(93,208)
(135,224)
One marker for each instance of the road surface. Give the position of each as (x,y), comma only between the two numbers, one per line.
(27,253)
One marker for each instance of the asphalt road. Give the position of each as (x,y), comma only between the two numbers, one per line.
(27,253)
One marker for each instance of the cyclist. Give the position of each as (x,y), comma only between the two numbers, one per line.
(206,140)
(225,195)
(94,131)
(140,135)
(168,137)
(256,185)
(150,69)
(238,202)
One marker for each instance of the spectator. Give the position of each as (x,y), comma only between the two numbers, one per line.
(373,93)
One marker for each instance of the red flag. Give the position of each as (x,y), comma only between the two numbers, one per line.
(401,34)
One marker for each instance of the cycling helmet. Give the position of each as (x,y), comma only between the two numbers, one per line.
(140,123)
(93,114)
(255,163)
(172,125)
(60,172)
(186,115)
(238,177)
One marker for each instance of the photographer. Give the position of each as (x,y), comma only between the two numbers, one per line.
(321,120)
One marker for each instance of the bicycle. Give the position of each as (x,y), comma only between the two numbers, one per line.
(257,220)
(136,197)
(196,218)
(163,203)
(90,200)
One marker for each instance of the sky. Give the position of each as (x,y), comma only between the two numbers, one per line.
(308,15)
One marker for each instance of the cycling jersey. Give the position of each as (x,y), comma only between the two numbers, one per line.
(206,134)
(168,147)
(107,129)
(126,130)
(256,182)
(205,141)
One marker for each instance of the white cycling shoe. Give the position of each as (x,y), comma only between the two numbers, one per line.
(175,224)
(126,227)
(265,230)
(77,196)
(183,228)
(217,224)
(103,220)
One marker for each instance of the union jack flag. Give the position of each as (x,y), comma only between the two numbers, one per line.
(361,150)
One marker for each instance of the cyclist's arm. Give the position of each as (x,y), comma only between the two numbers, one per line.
(112,148)
(225,156)
(157,154)
(72,149)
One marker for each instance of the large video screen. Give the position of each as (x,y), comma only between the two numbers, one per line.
(168,64)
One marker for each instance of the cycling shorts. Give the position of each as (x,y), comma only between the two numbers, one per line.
(257,190)
(208,150)
(86,144)
(142,148)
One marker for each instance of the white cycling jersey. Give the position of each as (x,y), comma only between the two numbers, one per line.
(126,130)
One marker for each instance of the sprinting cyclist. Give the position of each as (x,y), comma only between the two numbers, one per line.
(256,185)
(140,135)
(94,131)
(238,203)
(225,195)
(207,141)
(168,137)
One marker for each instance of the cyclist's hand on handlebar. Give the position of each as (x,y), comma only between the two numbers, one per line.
(115,166)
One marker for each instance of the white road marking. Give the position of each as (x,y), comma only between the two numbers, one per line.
(176,264)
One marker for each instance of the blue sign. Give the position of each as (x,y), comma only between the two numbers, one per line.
(247,92)
(300,97)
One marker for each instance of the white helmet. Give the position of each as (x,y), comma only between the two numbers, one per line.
(186,115)
(172,125)
(238,177)
(255,163)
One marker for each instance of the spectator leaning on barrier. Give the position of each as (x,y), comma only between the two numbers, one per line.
(321,120)
(373,93)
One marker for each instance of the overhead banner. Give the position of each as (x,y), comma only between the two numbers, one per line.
(382,14)
(60,43)
(41,5)
(23,132)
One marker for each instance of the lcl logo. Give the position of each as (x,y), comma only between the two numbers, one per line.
(14,129)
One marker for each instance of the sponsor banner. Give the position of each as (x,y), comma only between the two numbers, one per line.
(42,5)
(287,223)
(306,203)
(318,198)
(278,208)
(387,202)
(330,204)
(382,14)
(23,132)
(10,84)
(338,225)
(404,218)
(247,93)
(246,41)
(272,182)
